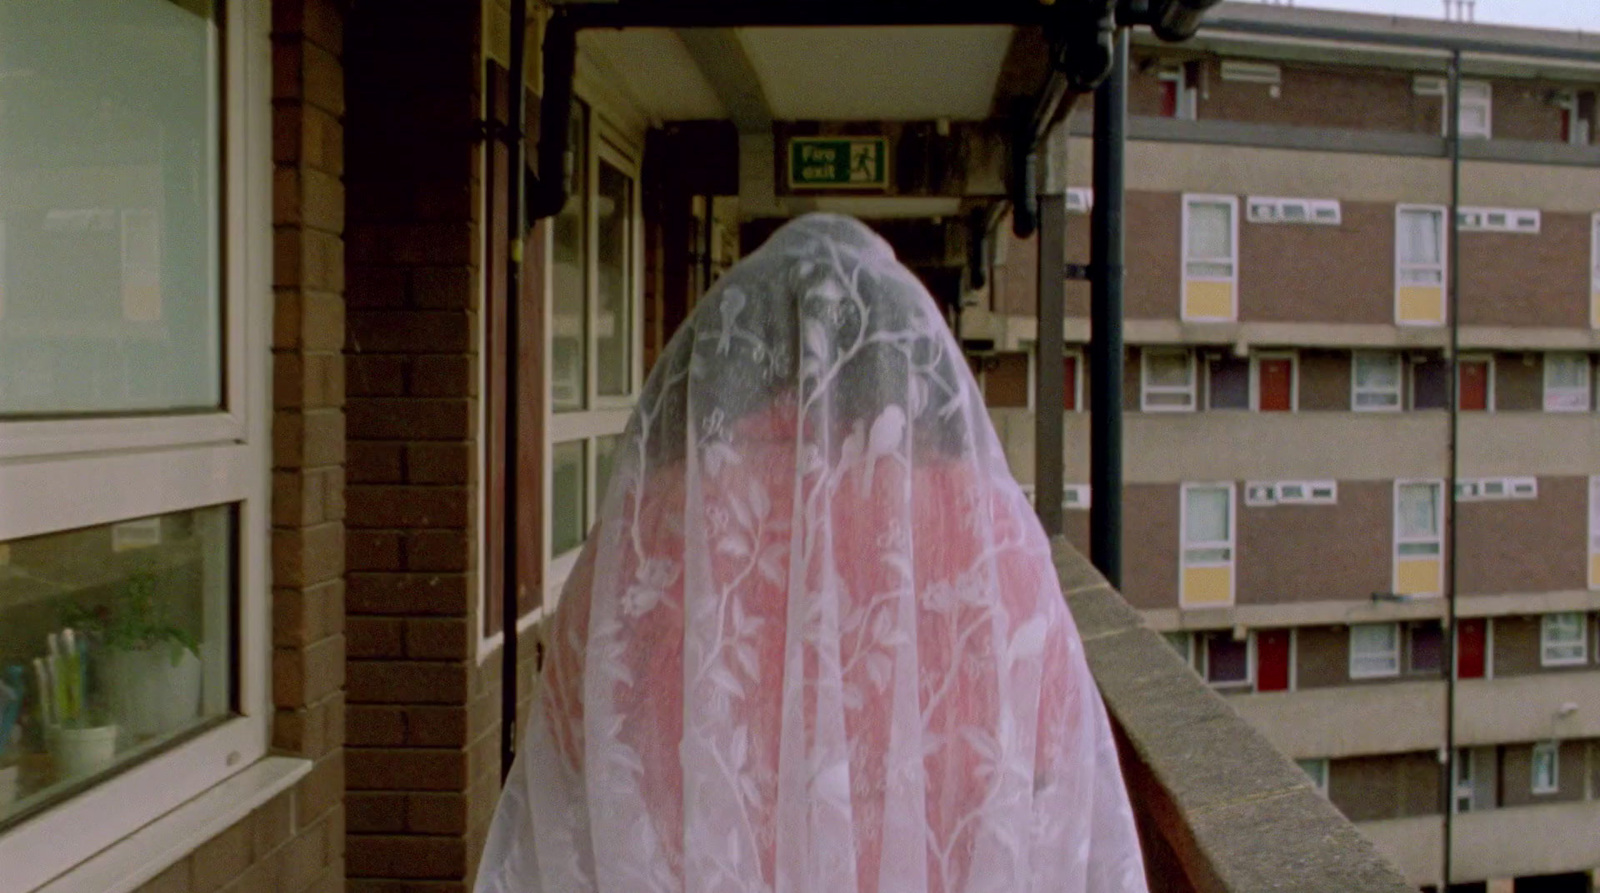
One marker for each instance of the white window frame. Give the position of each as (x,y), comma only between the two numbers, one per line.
(1252,72)
(1230,544)
(1314,211)
(1546,755)
(1594,269)
(1294,377)
(1307,492)
(1319,777)
(1393,655)
(1594,528)
(1246,684)
(1080,199)
(1559,398)
(606,416)
(1441,268)
(1577,128)
(1174,637)
(1259,494)
(1554,652)
(1146,389)
(1462,786)
(1356,390)
(1437,539)
(1525,221)
(1474,94)
(88,472)
(1191,199)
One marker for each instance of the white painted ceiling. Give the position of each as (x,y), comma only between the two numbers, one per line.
(894,74)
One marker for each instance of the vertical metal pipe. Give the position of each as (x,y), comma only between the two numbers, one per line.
(1453,290)
(1105,318)
(516,144)
(1049,411)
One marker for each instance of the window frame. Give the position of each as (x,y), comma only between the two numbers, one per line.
(1231,202)
(1146,388)
(1550,753)
(1399,539)
(1594,270)
(1547,643)
(99,470)
(1463,781)
(1356,390)
(1442,268)
(1319,781)
(603,416)
(1594,531)
(1586,390)
(1486,100)
(1394,654)
(1230,544)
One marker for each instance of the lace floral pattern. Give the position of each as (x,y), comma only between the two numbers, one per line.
(816,642)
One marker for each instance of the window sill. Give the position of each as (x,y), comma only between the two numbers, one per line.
(147,852)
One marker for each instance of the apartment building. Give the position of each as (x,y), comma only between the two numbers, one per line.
(1302,502)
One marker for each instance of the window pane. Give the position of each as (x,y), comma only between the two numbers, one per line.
(568,513)
(1227,661)
(1316,770)
(1419,241)
(1210,230)
(1374,649)
(1207,515)
(1230,383)
(1562,370)
(1430,385)
(1168,369)
(1377,371)
(1418,510)
(1426,648)
(110,291)
(569,282)
(1209,270)
(149,604)
(614,305)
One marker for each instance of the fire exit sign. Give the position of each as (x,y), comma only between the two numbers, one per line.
(835,162)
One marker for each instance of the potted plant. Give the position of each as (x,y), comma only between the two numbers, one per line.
(150,666)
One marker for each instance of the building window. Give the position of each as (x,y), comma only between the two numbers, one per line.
(1208,538)
(1375,381)
(133,408)
(1574,127)
(595,345)
(1374,650)
(1210,257)
(1594,532)
(1430,384)
(1566,382)
(1564,639)
(1594,271)
(1317,771)
(1464,789)
(1227,661)
(1227,382)
(1546,767)
(1274,382)
(1167,380)
(1477,112)
(1419,253)
(1418,545)
(1183,643)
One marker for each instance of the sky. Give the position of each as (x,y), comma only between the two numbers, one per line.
(1564,14)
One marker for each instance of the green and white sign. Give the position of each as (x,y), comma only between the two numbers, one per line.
(838,162)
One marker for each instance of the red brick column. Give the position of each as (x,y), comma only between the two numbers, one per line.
(411,366)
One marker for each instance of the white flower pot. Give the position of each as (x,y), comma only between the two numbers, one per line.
(82,751)
(8,785)
(149,695)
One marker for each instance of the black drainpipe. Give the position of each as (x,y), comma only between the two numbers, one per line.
(1454,309)
(1105,319)
(511,535)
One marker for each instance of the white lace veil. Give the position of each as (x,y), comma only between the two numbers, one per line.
(815,643)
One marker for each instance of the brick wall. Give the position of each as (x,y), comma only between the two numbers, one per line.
(295,842)
(412,366)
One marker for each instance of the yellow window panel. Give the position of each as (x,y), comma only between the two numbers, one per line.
(1207,299)
(1417,576)
(1206,587)
(1594,571)
(1419,303)
(1594,310)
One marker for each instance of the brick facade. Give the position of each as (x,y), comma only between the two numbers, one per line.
(296,841)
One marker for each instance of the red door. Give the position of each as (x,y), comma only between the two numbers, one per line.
(1169,99)
(1472,648)
(1474,386)
(1069,399)
(1275,384)
(1272,660)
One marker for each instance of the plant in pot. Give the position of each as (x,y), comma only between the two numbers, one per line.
(150,666)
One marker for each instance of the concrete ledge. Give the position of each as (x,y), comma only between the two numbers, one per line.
(1219,808)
